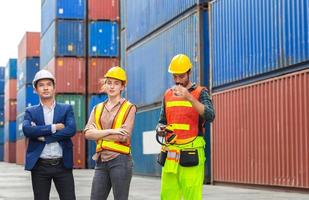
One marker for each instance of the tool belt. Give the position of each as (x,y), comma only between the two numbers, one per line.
(53,162)
(188,157)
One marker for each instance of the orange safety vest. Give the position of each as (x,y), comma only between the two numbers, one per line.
(182,115)
(119,119)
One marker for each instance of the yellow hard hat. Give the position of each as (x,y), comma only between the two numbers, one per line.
(117,73)
(180,64)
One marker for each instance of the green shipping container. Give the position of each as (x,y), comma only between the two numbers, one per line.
(78,103)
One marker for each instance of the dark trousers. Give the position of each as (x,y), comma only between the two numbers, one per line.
(42,175)
(116,174)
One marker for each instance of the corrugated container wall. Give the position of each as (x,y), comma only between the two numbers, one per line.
(61,9)
(10,89)
(149,61)
(1,101)
(97,67)
(260,134)
(79,150)
(63,38)
(144,16)
(21,148)
(19,126)
(123,14)
(10,69)
(1,135)
(26,71)
(26,97)
(10,131)
(69,73)
(1,152)
(10,110)
(103,39)
(10,152)
(29,46)
(103,10)
(251,38)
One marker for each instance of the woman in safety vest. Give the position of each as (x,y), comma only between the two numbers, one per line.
(110,124)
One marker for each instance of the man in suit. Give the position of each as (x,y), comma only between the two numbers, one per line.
(49,127)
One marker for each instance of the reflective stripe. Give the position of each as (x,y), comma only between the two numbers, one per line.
(184,127)
(120,117)
(173,155)
(178,103)
(184,141)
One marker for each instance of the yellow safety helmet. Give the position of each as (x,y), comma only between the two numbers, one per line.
(117,73)
(180,64)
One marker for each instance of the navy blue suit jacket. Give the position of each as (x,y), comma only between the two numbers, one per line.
(63,113)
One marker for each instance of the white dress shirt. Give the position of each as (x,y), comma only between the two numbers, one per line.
(51,150)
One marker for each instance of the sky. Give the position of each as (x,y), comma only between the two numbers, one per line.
(17,17)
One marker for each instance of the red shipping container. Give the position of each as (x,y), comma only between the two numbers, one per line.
(97,67)
(21,148)
(260,134)
(10,152)
(70,74)
(10,90)
(29,46)
(103,10)
(10,110)
(79,152)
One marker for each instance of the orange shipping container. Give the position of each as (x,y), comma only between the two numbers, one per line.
(29,46)
(79,152)
(260,134)
(97,67)
(21,148)
(10,152)
(103,10)
(10,90)
(69,73)
(10,110)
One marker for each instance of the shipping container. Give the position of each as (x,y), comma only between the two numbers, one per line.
(103,39)
(2,82)
(78,104)
(29,46)
(26,97)
(10,90)
(69,73)
(145,16)
(103,10)
(10,131)
(10,152)
(123,44)
(61,9)
(26,71)
(19,126)
(91,146)
(2,135)
(94,100)
(2,73)
(63,38)
(21,148)
(10,110)
(1,119)
(260,134)
(79,152)
(1,101)
(1,152)
(254,38)
(97,67)
(123,14)
(11,69)
(147,63)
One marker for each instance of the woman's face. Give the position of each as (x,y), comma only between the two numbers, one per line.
(114,87)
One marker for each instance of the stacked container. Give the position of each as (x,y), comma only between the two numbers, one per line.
(28,64)
(2,76)
(152,33)
(63,52)
(10,111)
(103,52)
(260,61)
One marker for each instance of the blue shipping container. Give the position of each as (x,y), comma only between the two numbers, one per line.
(26,97)
(26,71)
(61,9)
(91,146)
(63,38)
(10,131)
(2,82)
(94,100)
(1,117)
(103,39)
(10,69)
(2,73)
(147,64)
(123,45)
(19,126)
(1,101)
(1,135)
(1,152)
(123,13)
(251,38)
(145,16)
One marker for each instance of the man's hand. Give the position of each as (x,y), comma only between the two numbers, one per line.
(42,139)
(59,126)
(181,91)
(160,129)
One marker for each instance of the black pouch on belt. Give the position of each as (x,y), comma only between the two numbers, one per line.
(188,157)
(162,157)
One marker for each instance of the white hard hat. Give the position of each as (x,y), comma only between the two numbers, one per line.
(42,74)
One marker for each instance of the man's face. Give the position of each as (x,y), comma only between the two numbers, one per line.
(181,79)
(45,89)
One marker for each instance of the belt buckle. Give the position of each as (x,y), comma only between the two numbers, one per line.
(54,162)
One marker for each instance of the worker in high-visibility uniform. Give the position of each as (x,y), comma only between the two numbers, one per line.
(110,124)
(185,109)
